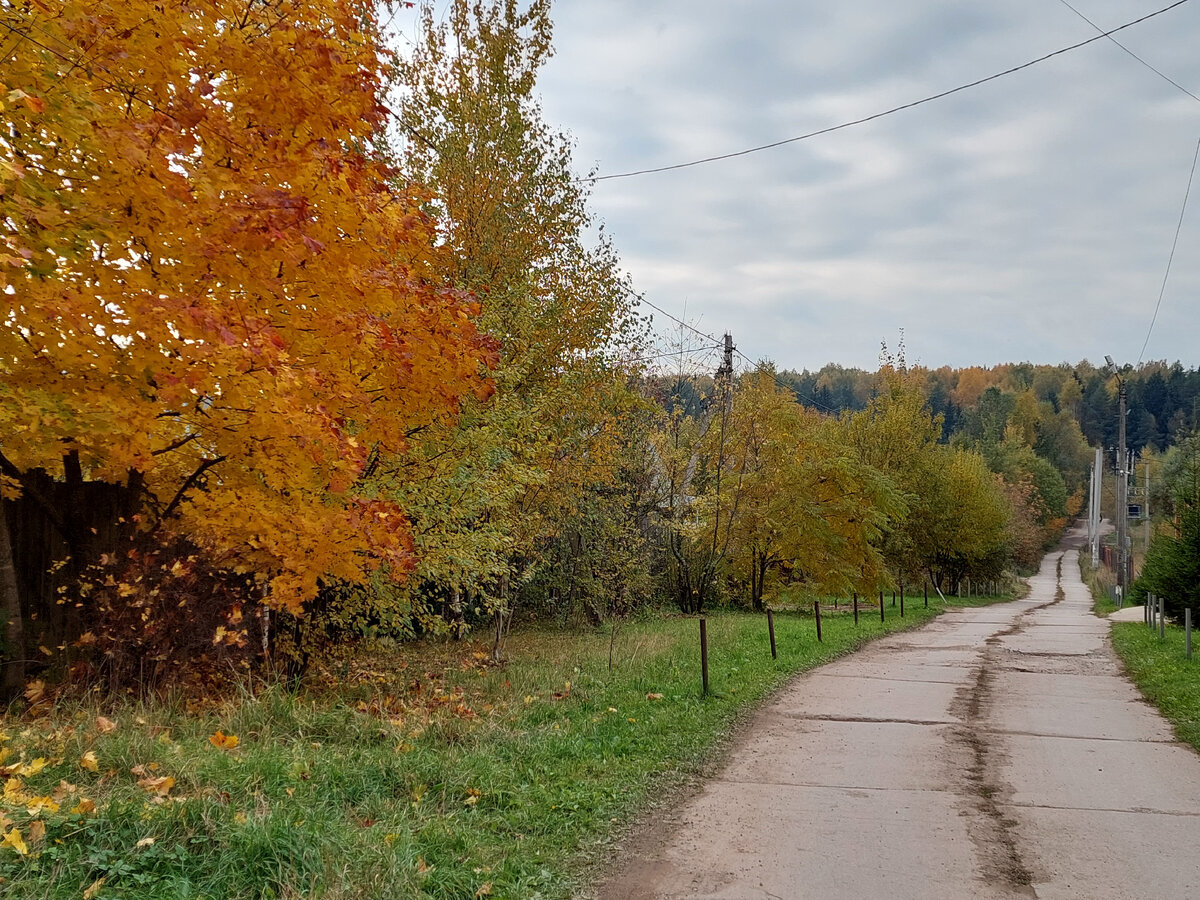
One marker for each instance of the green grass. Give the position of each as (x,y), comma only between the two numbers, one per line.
(1159,667)
(1100,579)
(426,773)
(1163,673)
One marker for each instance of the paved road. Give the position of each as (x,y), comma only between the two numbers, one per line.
(996,753)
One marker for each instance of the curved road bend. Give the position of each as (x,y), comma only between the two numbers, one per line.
(995,753)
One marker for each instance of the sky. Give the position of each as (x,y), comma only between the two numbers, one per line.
(1030,218)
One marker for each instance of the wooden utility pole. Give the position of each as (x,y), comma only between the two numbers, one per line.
(1122,496)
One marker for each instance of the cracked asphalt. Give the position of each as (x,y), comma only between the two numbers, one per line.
(995,753)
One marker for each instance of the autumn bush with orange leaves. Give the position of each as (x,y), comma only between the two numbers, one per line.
(218,294)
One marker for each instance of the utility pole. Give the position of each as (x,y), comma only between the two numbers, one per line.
(1094,516)
(1122,511)
(1122,495)
(726,371)
(1146,502)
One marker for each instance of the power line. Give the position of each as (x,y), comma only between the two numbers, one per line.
(668,354)
(1108,35)
(1171,257)
(886,112)
(641,298)
(787,387)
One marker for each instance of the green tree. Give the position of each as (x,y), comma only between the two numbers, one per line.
(803,501)
(496,486)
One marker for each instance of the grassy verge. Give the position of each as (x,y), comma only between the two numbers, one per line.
(1159,667)
(1163,673)
(1100,579)
(423,773)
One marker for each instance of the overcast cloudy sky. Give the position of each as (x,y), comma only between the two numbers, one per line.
(1030,218)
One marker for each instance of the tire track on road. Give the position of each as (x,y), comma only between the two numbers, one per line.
(993,833)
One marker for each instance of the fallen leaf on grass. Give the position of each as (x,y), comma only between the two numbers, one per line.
(64,790)
(144,842)
(94,888)
(654,696)
(485,889)
(105,726)
(84,807)
(24,770)
(89,761)
(160,786)
(37,804)
(223,741)
(37,832)
(13,839)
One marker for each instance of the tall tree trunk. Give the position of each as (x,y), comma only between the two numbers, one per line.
(456,613)
(758,578)
(12,678)
(501,630)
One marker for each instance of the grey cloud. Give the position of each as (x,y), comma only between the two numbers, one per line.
(1027,218)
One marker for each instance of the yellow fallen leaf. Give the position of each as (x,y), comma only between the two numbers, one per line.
(35,690)
(160,786)
(144,842)
(223,741)
(89,761)
(12,791)
(94,888)
(84,807)
(13,839)
(29,768)
(37,804)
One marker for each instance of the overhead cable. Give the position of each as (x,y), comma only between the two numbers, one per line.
(1108,35)
(887,112)
(1171,257)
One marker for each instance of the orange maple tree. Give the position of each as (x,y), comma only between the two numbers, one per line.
(214,290)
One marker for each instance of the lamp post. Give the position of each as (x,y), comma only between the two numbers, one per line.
(1122,511)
